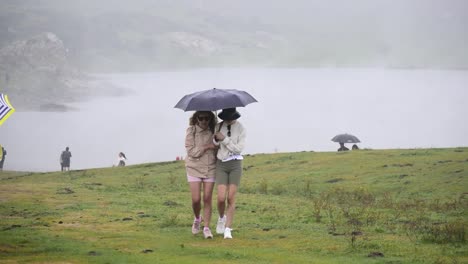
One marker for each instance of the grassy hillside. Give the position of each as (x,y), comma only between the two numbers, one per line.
(367,206)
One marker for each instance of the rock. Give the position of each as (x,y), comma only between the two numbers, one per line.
(193,44)
(375,254)
(52,107)
(37,74)
(65,190)
(171,203)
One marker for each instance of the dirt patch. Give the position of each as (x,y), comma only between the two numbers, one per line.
(11,191)
(6,248)
(65,191)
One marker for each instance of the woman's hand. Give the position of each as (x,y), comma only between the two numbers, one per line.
(219,136)
(209,146)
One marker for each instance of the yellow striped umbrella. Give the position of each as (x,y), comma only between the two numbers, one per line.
(6,109)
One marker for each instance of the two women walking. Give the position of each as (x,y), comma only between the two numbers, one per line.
(214,155)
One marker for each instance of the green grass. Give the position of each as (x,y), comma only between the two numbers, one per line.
(310,207)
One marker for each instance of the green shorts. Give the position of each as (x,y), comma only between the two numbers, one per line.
(228,172)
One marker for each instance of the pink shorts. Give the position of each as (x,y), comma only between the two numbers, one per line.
(196,179)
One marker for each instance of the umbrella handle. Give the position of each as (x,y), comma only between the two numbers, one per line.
(220,126)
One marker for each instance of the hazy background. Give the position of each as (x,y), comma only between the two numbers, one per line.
(122,35)
(298,110)
(393,73)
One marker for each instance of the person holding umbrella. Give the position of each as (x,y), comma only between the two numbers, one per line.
(3,154)
(200,166)
(230,137)
(345,138)
(343,147)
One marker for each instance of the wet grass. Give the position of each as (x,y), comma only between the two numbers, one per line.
(366,206)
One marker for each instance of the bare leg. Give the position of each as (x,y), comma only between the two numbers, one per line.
(221,199)
(207,202)
(232,190)
(195,189)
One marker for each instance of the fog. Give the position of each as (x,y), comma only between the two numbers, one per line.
(393,73)
(109,36)
(298,110)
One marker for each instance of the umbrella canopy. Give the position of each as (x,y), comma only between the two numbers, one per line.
(6,109)
(345,138)
(215,99)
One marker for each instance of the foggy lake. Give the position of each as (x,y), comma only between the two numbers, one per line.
(297,110)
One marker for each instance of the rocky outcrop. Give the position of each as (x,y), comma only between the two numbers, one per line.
(36,73)
(44,52)
(193,44)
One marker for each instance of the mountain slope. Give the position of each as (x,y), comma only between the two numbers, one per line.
(143,35)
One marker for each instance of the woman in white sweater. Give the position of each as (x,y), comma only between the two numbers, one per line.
(230,137)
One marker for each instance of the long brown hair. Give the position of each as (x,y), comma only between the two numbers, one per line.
(213,120)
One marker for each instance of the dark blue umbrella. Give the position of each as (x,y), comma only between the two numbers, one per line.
(215,99)
(345,138)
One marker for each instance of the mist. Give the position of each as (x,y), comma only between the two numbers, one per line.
(144,35)
(393,73)
(298,110)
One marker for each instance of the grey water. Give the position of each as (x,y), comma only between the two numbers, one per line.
(297,110)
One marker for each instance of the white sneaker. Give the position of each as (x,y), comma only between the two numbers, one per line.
(207,233)
(227,233)
(221,225)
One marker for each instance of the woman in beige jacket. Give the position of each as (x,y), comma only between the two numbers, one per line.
(200,165)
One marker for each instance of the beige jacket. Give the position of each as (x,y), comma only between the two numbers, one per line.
(199,163)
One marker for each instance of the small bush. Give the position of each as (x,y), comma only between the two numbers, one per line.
(440,233)
(169,221)
(263,187)
(453,232)
(278,189)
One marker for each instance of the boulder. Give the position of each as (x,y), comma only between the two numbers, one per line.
(36,73)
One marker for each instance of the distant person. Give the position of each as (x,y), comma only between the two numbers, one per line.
(2,160)
(342,147)
(355,147)
(65,159)
(200,165)
(122,159)
(230,137)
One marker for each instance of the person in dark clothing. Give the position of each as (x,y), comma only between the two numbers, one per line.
(4,152)
(355,147)
(65,159)
(342,147)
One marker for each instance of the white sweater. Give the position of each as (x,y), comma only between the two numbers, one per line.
(233,145)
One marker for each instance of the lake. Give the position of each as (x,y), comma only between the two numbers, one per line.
(298,110)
